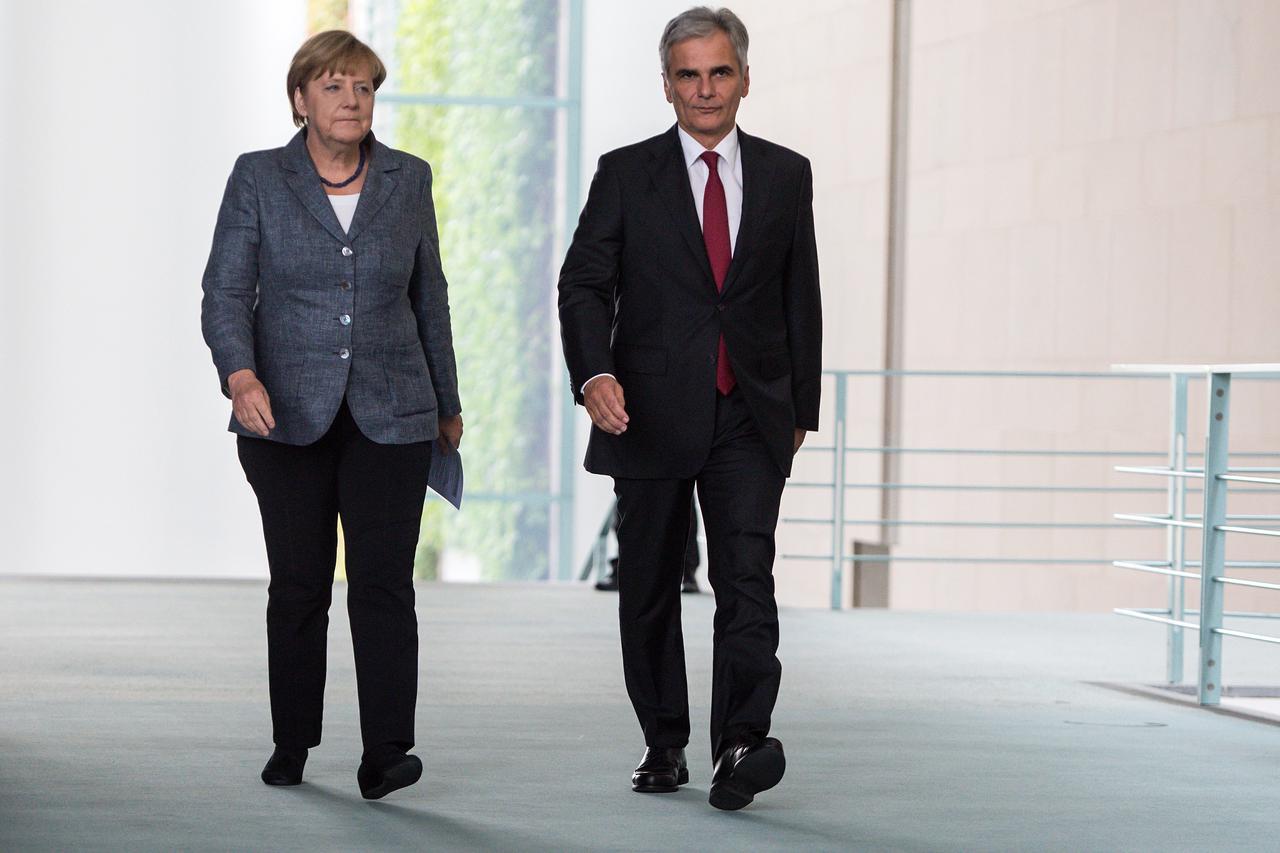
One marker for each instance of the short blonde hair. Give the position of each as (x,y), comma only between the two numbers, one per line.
(331,52)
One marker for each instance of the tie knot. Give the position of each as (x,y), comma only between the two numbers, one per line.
(711,158)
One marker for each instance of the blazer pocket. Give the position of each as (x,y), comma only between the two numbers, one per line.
(410,385)
(651,360)
(775,363)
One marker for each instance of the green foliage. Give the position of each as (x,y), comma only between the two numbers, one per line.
(426,563)
(326,15)
(494,190)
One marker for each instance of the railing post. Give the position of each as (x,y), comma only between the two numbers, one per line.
(1176,541)
(1213,552)
(840,442)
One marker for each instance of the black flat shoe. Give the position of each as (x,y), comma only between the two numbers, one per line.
(744,769)
(376,782)
(661,771)
(284,767)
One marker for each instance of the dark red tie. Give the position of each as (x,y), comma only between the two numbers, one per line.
(715,234)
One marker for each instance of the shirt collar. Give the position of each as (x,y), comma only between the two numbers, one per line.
(693,149)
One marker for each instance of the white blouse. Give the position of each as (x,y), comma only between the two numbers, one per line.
(345,207)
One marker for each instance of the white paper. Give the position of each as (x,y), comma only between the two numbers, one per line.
(446,473)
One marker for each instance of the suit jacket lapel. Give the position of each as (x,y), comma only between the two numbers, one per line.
(757,180)
(305,183)
(670,175)
(378,186)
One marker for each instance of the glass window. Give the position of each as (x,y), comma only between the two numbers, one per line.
(477,88)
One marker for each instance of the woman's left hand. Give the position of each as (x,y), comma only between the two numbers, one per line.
(451,432)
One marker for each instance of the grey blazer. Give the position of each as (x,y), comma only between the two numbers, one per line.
(318,313)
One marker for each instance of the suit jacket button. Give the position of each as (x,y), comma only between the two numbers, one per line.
(346,252)
(344,353)
(721,307)
(345,319)
(346,285)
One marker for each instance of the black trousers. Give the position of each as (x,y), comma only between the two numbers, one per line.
(740,488)
(691,556)
(378,490)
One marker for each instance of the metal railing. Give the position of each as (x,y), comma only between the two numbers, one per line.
(1213,523)
(841,484)
(849,486)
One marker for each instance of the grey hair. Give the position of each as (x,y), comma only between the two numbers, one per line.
(700,22)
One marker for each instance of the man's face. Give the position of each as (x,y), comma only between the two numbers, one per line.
(705,84)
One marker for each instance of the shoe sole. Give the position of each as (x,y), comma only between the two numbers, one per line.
(682,779)
(758,772)
(401,776)
(277,782)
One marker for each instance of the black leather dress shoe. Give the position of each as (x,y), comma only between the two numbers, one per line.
(744,769)
(661,771)
(284,767)
(378,780)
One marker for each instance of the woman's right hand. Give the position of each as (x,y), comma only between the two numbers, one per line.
(250,402)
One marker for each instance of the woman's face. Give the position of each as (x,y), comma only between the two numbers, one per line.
(338,107)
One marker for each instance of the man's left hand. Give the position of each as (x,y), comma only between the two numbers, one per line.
(451,433)
(800,434)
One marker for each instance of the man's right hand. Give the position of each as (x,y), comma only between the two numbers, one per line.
(606,405)
(250,403)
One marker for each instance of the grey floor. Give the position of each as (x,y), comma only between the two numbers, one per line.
(133,716)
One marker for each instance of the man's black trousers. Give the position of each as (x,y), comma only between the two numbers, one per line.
(739,489)
(378,490)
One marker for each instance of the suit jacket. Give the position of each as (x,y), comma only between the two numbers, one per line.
(637,299)
(318,313)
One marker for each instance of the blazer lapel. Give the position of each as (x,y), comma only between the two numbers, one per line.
(757,180)
(670,175)
(305,183)
(378,186)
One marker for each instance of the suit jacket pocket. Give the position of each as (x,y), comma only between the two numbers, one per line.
(641,359)
(410,383)
(775,363)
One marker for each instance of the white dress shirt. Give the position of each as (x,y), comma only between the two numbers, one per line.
(730,175)
(730,169)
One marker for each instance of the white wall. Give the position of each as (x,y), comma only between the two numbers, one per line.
(7,290)
(622,103)
(1090,182)
(124,121)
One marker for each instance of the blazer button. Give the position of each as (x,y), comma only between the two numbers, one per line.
(346,285)
(344,353)
(345,319)
(346,252)
(721,307)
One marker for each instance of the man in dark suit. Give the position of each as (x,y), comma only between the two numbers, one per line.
(692,327)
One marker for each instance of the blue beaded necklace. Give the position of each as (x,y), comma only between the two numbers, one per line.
(359,169)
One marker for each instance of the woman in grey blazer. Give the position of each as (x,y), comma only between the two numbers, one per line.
(327,313)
